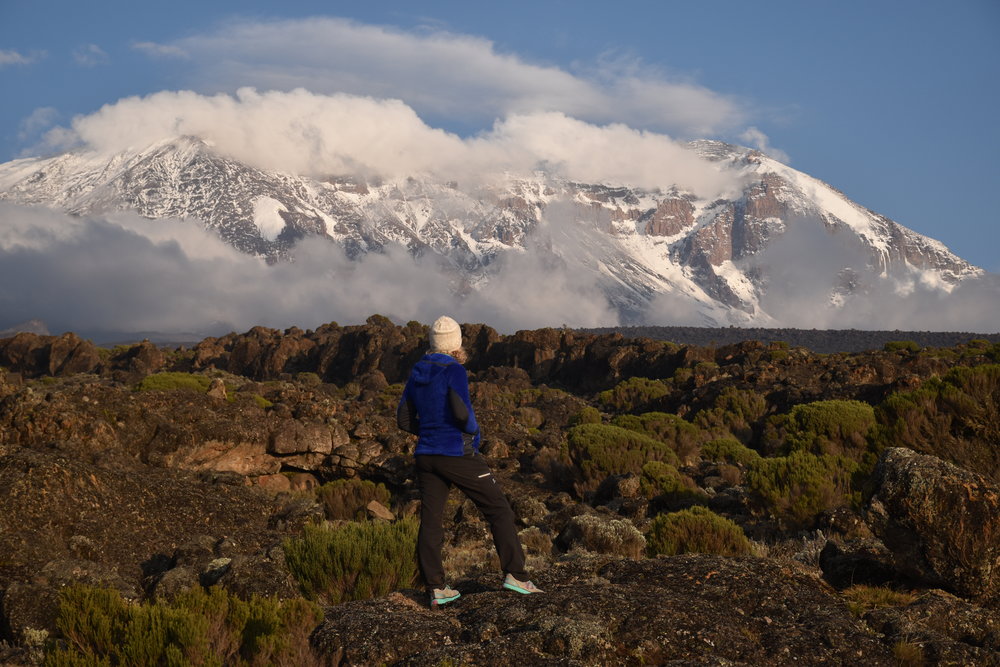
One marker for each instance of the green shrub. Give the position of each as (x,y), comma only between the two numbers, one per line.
(586,415)
(682,436)
(729,450)
(347,498)
(633,394)
(171,381)
(695,530)
(599,450)
(354,561)
(735,412)
(681,377)
(822,427)
(956,418)
(308,378)
(658,478)
(261,402)
(197,627)
(797,487)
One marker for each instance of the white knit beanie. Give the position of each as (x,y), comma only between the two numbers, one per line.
(446,335)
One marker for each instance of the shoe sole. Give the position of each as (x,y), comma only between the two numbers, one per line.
(518,589)
(438,602)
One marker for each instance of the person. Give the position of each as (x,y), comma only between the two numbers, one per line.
(435,406)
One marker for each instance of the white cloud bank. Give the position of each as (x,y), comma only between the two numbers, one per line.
(125,273)
(308,133)
(441,74)
(128,274)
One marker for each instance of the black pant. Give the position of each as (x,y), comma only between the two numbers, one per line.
(471,474)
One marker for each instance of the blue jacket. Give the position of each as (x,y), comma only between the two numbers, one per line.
(435,406)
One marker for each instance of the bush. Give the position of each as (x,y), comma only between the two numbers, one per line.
(695,530)
(347,498)
(659,478)
(823,427)
(797,487)
(171,381)
(586,415)
(633,394)
(729,450)
(599,450)
(736,412)
(682,436)
(197,627)
(308,378)
(602,534)
(956,418)
(354,561)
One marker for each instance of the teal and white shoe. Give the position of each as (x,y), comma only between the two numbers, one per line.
(525,587)
(442,596)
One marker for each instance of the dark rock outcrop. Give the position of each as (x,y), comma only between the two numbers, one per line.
(948,630)
(866,562)
(688,609)
(941,522)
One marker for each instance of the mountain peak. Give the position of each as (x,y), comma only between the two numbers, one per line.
(730,259)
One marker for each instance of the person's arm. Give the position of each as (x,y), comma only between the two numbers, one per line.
(458,399)
(406,414)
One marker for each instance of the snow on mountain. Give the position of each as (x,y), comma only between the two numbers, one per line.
(727,257)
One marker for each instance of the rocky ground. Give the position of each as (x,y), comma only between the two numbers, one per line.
(109,479)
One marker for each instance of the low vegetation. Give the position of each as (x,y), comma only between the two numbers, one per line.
(174,381)
(198,627)
(695,530)
(797,487)
(347,499)
(354,561)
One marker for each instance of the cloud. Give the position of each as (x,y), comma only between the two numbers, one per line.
(8,57)
(806,265)
(443,75)
(124,273)
(90,55)
(757,139)
(160,50)
(36,122)
(308,133)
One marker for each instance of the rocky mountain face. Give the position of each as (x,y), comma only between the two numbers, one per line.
(112,476)
(636,243)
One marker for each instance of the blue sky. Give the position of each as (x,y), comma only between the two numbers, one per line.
(892,102)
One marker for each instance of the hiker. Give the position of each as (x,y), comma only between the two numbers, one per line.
(435,406)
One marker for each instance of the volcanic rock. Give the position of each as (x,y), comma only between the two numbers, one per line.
(941,522)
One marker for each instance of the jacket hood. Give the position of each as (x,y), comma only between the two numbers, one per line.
(430,367)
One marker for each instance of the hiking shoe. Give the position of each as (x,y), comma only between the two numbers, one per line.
(442,596)
(525,587)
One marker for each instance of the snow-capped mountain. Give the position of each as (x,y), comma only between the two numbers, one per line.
(726,256)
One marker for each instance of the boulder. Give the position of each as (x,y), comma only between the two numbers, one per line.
(377,510)
(264,574)
(217,389)
(866,562)
(941,522)
(243,458)
(948,630)
(294,437)
(33,605)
